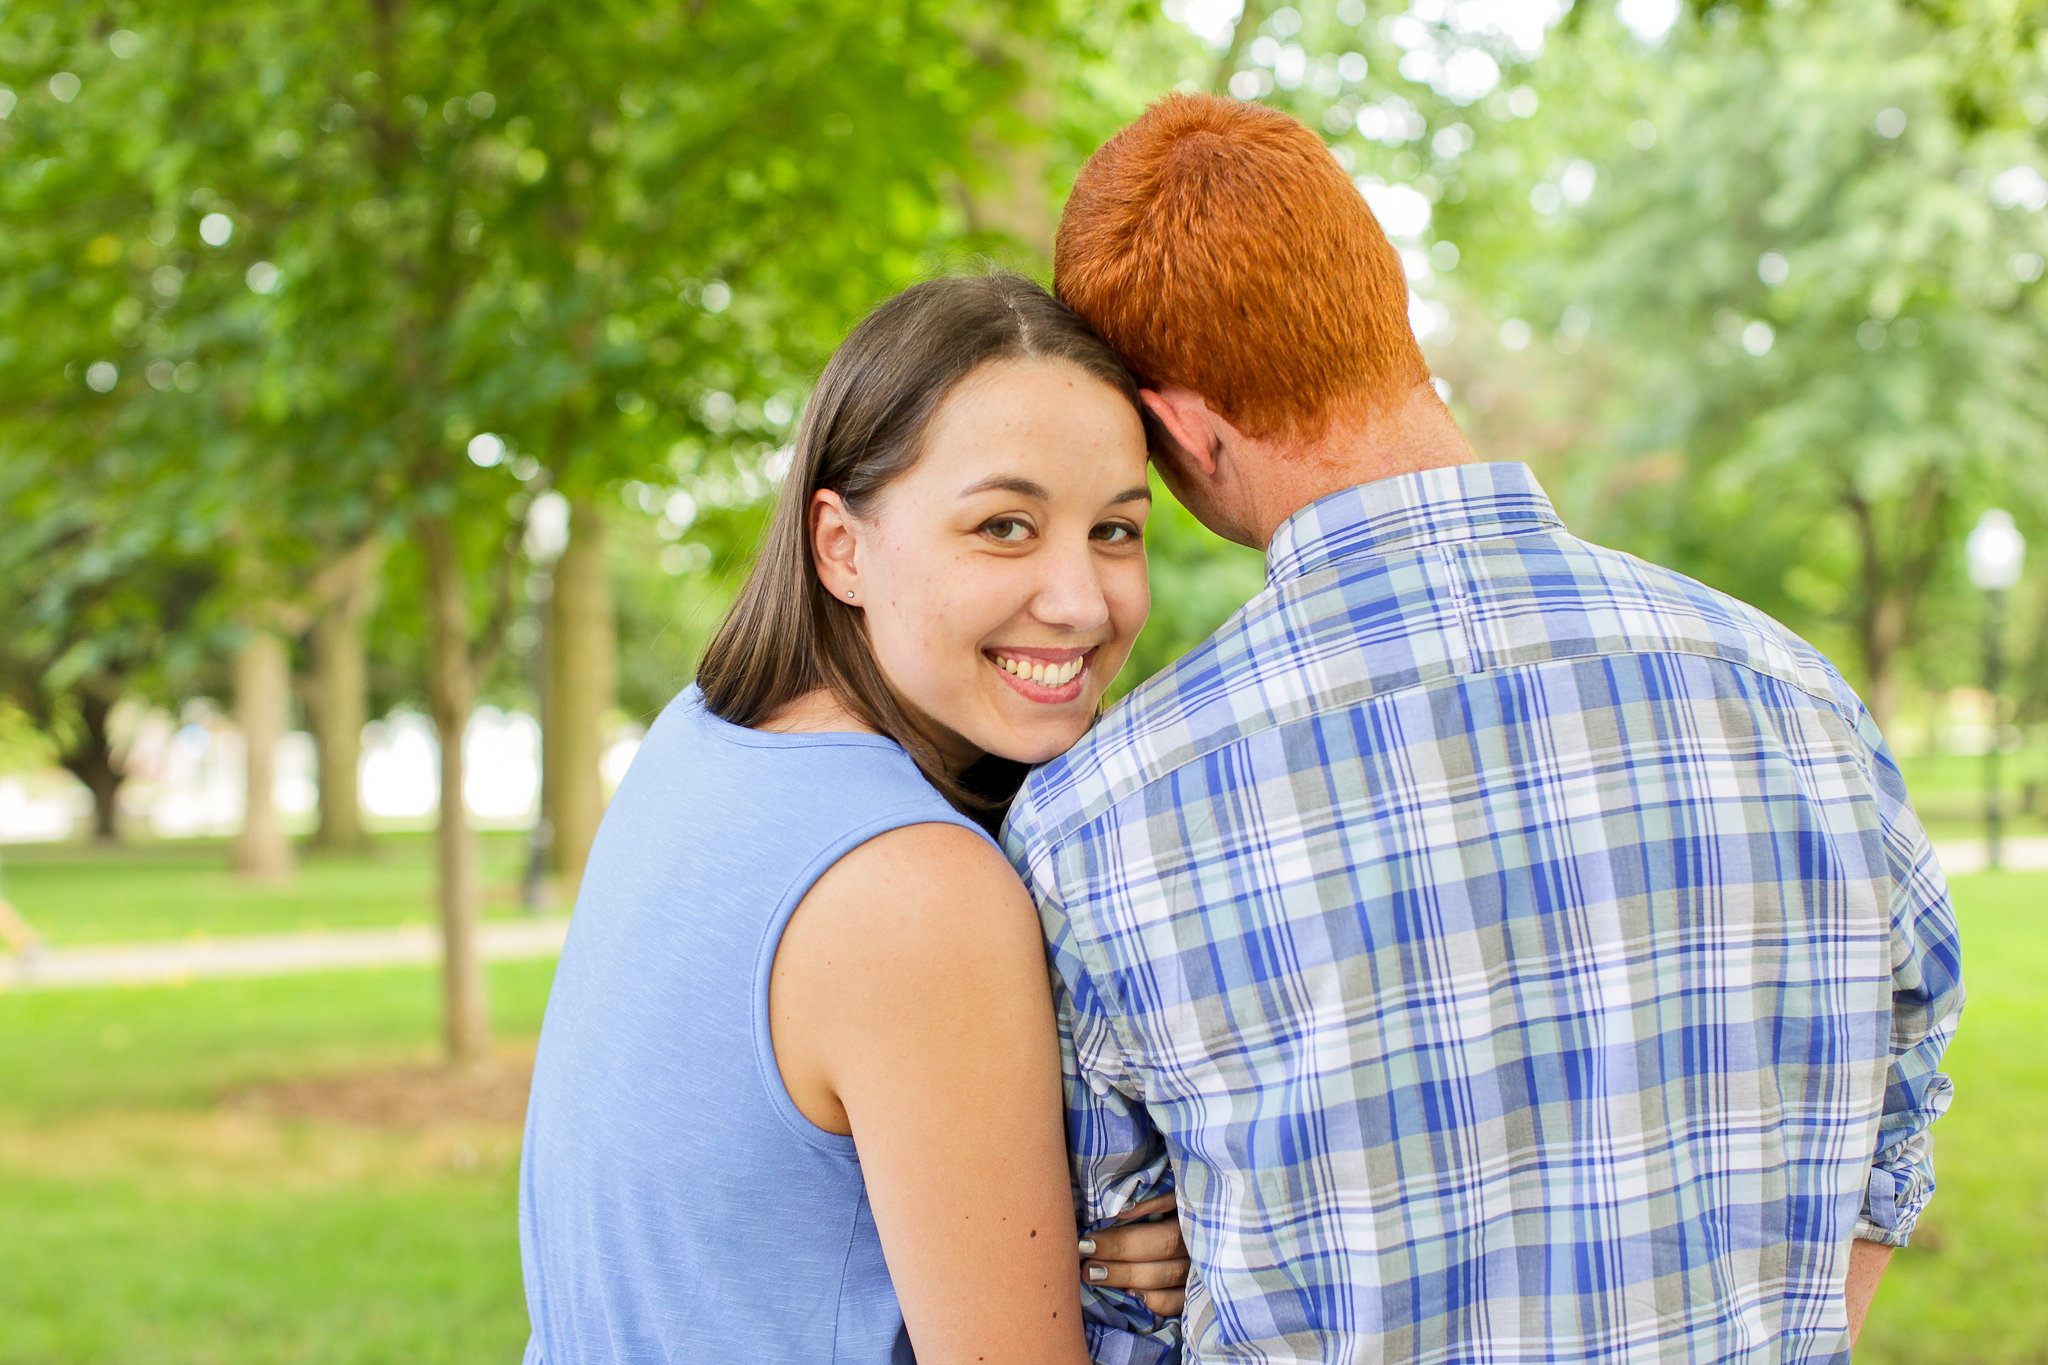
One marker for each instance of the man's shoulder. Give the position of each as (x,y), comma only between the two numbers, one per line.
(1168,720)
(1629,604)
(1359,630)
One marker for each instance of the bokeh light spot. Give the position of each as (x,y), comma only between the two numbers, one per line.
(486,450)
(1403,210)
(1649,20)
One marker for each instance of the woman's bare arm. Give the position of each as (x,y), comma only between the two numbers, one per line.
(911,1008)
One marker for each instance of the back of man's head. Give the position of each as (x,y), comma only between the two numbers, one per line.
(1218,246)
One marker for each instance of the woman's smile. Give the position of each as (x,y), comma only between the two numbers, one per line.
(1049,677)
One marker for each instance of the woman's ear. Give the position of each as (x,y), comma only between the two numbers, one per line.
(835,549)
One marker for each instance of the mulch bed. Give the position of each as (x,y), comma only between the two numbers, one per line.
(417,1097)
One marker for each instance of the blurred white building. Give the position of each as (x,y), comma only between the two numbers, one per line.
(186,776)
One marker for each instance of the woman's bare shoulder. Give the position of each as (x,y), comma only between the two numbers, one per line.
(920,934)
(921,888)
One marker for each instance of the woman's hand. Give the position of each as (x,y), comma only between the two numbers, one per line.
(1147,1258)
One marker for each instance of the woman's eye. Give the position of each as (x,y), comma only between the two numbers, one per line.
(1116,532)
(1009,530)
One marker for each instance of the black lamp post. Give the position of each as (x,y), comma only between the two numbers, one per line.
(547,535)
(1996,552)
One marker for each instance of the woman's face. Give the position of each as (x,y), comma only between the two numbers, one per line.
(1003,575)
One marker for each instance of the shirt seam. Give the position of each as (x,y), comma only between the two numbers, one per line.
(1270,721)
(1419,542)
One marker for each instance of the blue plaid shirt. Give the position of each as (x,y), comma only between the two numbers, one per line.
(1519,953)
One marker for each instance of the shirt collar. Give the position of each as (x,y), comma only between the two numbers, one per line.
(1431,506)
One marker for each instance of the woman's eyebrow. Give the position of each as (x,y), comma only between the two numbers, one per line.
(1026,488)
(1023,488)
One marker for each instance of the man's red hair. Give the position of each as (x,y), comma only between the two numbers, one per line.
(1218,246)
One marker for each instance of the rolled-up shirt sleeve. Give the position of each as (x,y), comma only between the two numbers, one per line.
(1927,1003)
(1117,1158)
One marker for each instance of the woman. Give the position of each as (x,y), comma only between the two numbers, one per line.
(797,1096)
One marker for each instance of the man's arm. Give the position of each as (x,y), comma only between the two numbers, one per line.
(1867,1261)
(1118,1159)
(1927,1004)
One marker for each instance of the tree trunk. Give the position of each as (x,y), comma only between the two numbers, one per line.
(1893,572)
(338,706)
(581,682)
(1880,664)
(92,760)
(1015,198)
(263,709)
(1249,19)
(451,691)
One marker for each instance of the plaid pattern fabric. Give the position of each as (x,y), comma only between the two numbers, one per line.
(1519,952)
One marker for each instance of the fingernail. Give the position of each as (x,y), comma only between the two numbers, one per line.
(1097,1274)
(1087,1246)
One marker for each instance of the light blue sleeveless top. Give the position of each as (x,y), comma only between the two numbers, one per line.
(674,1206)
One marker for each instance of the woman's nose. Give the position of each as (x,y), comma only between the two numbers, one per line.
(1070,596)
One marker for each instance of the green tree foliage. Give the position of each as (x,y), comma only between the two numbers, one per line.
(1812,281)
(321,272)
(1760,295)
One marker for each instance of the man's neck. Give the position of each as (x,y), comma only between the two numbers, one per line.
(1419,435)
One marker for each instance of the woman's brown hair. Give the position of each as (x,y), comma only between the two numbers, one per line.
(863,428)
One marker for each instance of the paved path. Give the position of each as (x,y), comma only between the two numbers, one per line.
(2029,854)
(142,964)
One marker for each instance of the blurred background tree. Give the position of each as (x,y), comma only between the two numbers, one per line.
(442,350)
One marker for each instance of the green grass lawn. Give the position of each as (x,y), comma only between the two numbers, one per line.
(1948,793)
(1973,1289)
(73,893)
(146,1221)
(142,1219)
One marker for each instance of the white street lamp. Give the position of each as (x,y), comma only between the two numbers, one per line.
(1996,552)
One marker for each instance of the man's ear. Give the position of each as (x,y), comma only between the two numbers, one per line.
(1187,419)
(834,547)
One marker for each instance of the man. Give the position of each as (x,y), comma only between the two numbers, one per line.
(1519,952)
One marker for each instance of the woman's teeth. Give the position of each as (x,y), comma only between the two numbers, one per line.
(1040,672)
